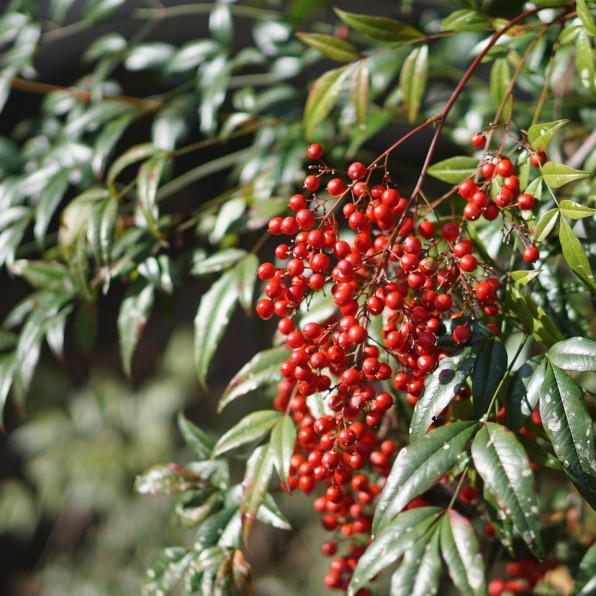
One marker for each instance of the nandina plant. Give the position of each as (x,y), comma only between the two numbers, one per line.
(429,379)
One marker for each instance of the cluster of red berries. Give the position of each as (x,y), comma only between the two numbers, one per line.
(523,576)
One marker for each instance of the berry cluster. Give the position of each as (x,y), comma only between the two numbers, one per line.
(523,576)
(395,265)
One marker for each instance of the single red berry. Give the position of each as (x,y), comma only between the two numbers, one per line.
(478,140)
(426,229)
(496,587)
(357,170)
(468,263)
(526,202)
(531,254)
(450,231)
(336,186)
(467,188)
(265,309)
(538,159)
(314,151)
(311,183)
(488,169)
(505,167)
(461,334)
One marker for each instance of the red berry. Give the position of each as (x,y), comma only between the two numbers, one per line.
(311,183)
(488,169)
(314,151)
(357,170)
(531,254)
(461,334)
(336,186)
(450,231)
(265,309)
(526,202)
(467,188)
(426,229)
(468,263)
(478,140)
(505,167)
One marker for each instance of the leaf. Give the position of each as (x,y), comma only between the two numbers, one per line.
(166,479)
(259,469)
(132,318)
(540,135)
(568,425)
(524,392)
(575,255)
(49,200)
(107,139)
(379,28)
(523,310)
(360,92)
(214,528)
(147,183)
(165,570)
(420,571)
(556,174)
(211,321)
(105,45)
(221,24)
(270,514)
(585,16)
(45,275)
(194,437)
(412,81)
(249,430)
(465,21)
(454,169)
(489,370)
(500,78)
(419,466)
(546,224)
(461,552)
(192,54)
(523,277)
(100,10)
(585,580)
(230,212)
(322,97)
(55,332)
(283,440)
(575,210)
(146,56)
(263,369)
(8,364)
(505,469)
(132,155)
(332,47)
(584,61)
(220,260)
(100,231)
(391,544)
(439,389)
(576,353)
(502,524)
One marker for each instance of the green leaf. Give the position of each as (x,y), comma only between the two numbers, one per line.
(412,81)
(524,392)
(105,45)
(259,469)
(165,570)
(132,318)
(167,479)
(270,514)
(379,28)
(522,310)
(461,552)
(575,255)
(8,364)
(246,276)
(146,56)
(439,389)
(419,466)
(100,230)
(489,370)
(500,78)
(465,21)
(45,275)
(217,262)
(584,61)
(575,210)
(454,169)
(194,437)
(391,544)
(540,135)
(505,469)
(192,54)
(147,183)
(576,353)
(585,16)
(49,200)
(502,524)
(585,580)
(107,139)
(332,47)
(322,97)
(250,429)
(539,455)
(211,321)
(283,440)
(546,224)
(214,528)
(262,370)
(360,91)
(556,174)
(132,155)
(100,10)
(568,425)
(420,571)
(221,24)
(523,277)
